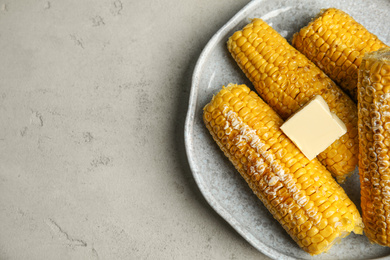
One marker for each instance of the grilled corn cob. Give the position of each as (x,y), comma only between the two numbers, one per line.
(374,138)
(336,43)
(300,194)
(287,80)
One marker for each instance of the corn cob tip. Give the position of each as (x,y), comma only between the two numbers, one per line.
(336,43)
(382,54)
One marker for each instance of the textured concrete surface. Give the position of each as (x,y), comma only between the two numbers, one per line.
(93,96)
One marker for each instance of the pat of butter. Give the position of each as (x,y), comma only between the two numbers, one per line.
(313,128)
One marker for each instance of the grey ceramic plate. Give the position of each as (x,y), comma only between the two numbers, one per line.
(220,183)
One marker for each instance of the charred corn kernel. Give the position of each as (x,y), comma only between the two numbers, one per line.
(374,107)
(247,144)
(336,43)
(295,80)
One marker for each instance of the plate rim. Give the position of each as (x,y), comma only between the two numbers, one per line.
(188,130)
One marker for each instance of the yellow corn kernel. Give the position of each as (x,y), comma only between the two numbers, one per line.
(374,101)
(287,80)
(351,40)
(269,177)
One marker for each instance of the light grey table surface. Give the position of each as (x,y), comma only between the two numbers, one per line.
(93,98)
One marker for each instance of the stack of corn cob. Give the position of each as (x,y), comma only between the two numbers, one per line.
(301,194)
